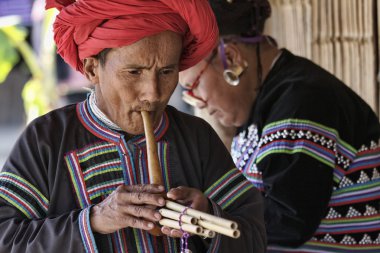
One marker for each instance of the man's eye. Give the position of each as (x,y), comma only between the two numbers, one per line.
(135,71)
(166,71)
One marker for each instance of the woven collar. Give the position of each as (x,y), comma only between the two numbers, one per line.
(101,130)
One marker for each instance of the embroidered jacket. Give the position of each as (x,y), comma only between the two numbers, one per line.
(68,160)
(311,147)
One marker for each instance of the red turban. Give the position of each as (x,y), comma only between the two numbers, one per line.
(83,28)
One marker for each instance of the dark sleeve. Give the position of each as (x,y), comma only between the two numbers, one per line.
(296,156)
(233,197)
(27,223)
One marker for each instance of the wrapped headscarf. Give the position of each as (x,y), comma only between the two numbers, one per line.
(84,28)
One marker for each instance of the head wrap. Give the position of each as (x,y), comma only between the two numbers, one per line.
(83,28)
(241,17)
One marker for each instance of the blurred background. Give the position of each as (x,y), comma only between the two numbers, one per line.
(340,35)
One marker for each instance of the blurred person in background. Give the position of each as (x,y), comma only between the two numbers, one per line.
(77,179)
(301,136)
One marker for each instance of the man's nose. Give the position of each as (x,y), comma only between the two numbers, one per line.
(150,90)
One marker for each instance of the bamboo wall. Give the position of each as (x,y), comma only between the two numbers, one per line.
(339,35)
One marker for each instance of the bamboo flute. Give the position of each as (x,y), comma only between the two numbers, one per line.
(202,215)
(234,233)
(177,216)
(211,223)
(190,228)
(154,168)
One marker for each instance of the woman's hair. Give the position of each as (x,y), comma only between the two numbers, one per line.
(241,17)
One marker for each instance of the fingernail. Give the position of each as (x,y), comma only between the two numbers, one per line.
(161,188)
(161,201)
(150,225)
(157,216)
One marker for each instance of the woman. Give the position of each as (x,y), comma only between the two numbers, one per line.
(307,141)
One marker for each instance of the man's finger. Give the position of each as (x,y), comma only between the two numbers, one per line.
(180,193)
(134,222)
(148,188)
(142,212)
(139,198)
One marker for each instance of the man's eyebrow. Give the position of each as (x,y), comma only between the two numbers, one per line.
(170,66)
(136,66)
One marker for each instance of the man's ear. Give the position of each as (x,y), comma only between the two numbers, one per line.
(91,67)
(234,55)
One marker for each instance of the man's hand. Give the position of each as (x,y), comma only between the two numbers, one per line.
(128,206)
(190,197)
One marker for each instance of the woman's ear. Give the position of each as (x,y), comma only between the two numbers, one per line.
(91,69)
(234,56)
(236,64)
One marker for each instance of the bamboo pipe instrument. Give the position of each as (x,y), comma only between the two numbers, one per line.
(202,215)
(210,222)
(154,168)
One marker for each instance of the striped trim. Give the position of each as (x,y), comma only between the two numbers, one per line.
(310,148)
(77,179)
(299,124)
(170,244)
(120,243)
(321,247)
(163,154)
(96,149)
(101,168)
(139,244)
(366,159)
(99,129)
(86,232)
(94,125)
(130,175)
(20,203)
(349,225)
(159,131)
(25,188)
(103,188)
(357,193)
(228,188)
(215,242)
(278,131)
(303,136)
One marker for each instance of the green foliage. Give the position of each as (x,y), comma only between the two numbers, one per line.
(36,102)
(8,55)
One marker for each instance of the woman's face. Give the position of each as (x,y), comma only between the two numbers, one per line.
(230,105)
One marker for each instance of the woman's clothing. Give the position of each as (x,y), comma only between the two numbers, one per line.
(312,147)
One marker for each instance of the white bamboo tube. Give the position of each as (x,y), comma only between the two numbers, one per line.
(190,228)
(234,233)
(176,216)
(207,233)
(202,215)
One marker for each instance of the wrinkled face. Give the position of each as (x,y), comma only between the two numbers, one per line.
(137,77)
(230,105)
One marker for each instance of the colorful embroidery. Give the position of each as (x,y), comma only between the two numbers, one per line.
(23,195)
(352,223)
(228,188)
(85,231)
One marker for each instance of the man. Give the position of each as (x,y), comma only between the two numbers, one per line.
(77,179)
(307,141)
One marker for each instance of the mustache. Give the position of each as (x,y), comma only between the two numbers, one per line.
(146,105)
